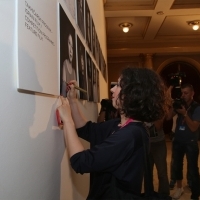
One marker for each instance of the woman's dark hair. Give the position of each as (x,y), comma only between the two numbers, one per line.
(142,94)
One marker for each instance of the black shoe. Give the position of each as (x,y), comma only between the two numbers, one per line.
(172,184)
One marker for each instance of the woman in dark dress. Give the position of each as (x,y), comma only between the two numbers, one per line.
(115,159)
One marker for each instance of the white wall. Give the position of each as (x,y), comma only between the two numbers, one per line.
(33,160)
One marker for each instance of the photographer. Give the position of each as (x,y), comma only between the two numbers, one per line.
(107,111)
(186,140)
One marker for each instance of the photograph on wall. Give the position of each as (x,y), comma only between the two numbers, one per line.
(89,77)
(81,68)
(81,16)
(104,72)
(94,84)
(88,25)
(101,63)
(71,7)
(98,88)
(93,36)
(97,47)
(37,46)
(99,59)
(67,52)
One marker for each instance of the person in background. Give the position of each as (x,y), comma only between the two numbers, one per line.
(107,111)
(158,156)
(171,135)
(172,175)
(186,140)
(115,159)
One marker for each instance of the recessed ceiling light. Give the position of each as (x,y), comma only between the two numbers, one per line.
(194,24)
(125,26)
(160,13)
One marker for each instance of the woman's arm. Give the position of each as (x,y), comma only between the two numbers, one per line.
(192,123)
(78,117)
(72,118)
(73,143)
(159,124)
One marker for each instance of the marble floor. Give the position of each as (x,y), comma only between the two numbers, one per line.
(187,192)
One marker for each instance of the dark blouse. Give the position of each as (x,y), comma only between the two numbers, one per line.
(115,159)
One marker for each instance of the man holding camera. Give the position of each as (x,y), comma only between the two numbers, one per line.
(186,140)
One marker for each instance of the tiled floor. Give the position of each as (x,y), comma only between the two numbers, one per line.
(187,193)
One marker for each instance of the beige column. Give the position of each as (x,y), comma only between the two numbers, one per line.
(148,61)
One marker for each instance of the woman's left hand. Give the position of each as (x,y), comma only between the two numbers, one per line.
(65,110)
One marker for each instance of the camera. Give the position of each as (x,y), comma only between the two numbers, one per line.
(178,103)
(176,79)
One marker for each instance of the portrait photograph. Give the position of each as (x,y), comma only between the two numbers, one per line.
(94,80)
(97,48)
(93,36)
(98,88)
(89,77)
(81,68)
(104,72)
(67,52)
(88,25)
(81,16)
(101,60)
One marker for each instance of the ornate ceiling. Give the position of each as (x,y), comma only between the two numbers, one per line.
(159,27)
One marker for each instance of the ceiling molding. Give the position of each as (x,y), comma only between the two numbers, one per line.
(151,32)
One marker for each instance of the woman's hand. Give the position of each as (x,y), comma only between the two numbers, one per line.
(70,112)
(73,143)
(71,92)
(182,110)
(65,110)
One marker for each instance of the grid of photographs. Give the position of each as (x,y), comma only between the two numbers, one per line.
(75,61)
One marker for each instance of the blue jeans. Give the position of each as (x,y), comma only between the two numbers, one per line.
(172,173)
(191,150)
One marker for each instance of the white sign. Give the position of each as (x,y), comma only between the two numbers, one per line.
(38,67)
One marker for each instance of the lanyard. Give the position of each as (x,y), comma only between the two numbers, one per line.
(127,122)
